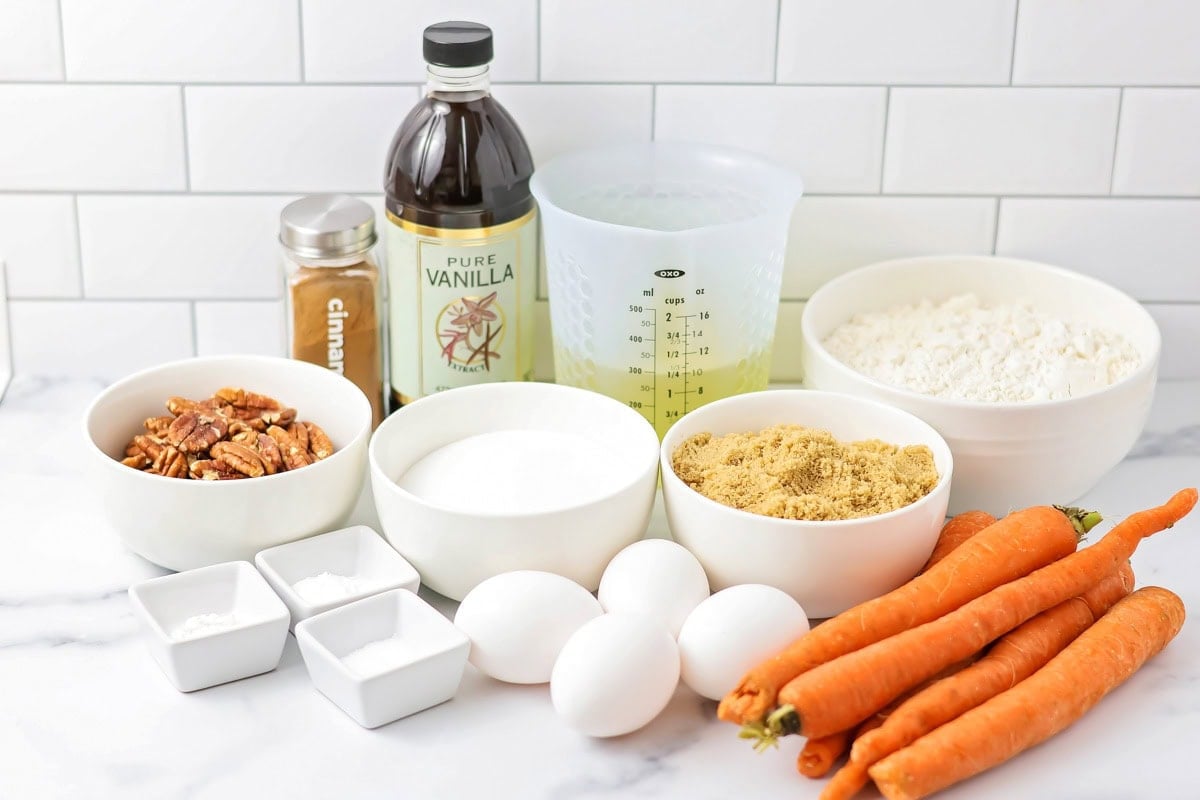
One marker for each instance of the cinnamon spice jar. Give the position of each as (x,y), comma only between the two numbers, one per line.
(334,290)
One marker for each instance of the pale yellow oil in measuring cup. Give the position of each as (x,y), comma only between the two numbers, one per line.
(664,262)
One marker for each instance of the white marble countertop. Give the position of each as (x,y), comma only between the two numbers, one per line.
(85,712)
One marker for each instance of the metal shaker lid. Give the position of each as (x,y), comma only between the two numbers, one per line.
(327,226)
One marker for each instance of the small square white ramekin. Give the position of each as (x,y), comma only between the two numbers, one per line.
(355,552)
(252,645)
(427,676)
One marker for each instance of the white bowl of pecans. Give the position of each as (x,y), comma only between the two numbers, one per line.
(207,460)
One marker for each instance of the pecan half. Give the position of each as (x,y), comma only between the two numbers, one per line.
(253,407)
(318,441)
(298,432)
(239,458)
(146,444)
(170,463)
(138,461)
(248,436)
(158,425)
(268,451)
(294,455)
(193,432)
(214,469)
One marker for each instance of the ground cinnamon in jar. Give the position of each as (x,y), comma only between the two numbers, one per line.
(334,293)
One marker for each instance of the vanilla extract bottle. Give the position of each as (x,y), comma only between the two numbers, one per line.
(461,228)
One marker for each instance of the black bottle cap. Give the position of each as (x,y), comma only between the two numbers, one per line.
(458,44)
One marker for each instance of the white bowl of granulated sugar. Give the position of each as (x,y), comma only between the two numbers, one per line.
(1039,378)
(496,477)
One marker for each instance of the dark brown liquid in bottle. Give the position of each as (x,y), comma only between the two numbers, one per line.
(458,165)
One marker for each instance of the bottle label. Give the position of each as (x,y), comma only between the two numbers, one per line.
(461,304)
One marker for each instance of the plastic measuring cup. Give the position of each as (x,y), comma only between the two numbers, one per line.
(664,261)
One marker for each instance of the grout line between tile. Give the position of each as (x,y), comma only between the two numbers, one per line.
(1112,170)
(187,150)
(653,112)
(373,193)
(78,244)
(538,37)
(195,337)
(600,82)
(778,17)
(1012,53)
(300,33)
(887,110)
(996,227)
(62,42)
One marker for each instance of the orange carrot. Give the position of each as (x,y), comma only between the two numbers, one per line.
(817,756)
(956,531)
(843,692)
(1002,552)
(1102,658)
(1016,656)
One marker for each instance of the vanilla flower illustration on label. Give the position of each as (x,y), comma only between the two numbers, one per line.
(472,330)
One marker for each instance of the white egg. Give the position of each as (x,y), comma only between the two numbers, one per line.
(655,577)
(732,631)
(615,674)
(519,621)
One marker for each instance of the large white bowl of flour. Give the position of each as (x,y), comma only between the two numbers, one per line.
(1040,379)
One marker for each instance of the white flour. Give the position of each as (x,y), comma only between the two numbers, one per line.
(381,655)
(962,349)
(327,587)
(203,624)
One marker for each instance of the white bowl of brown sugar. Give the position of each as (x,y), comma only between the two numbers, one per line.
(833,499)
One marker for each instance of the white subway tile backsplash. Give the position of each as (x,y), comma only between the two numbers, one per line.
(557,119)
(882,41)
(1158,145)
(1108,42)
(1149,248)
(102,340)
(832,235)
(38,241)
(832,136)
(212,41)
(30,49)
(292,138)
(377,41)
(1180,326)
(1000,141)
(185,247)
(711,41)
(139,221)
(250,327)
(64,137)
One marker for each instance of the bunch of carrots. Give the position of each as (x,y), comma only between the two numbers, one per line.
(1007,636)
